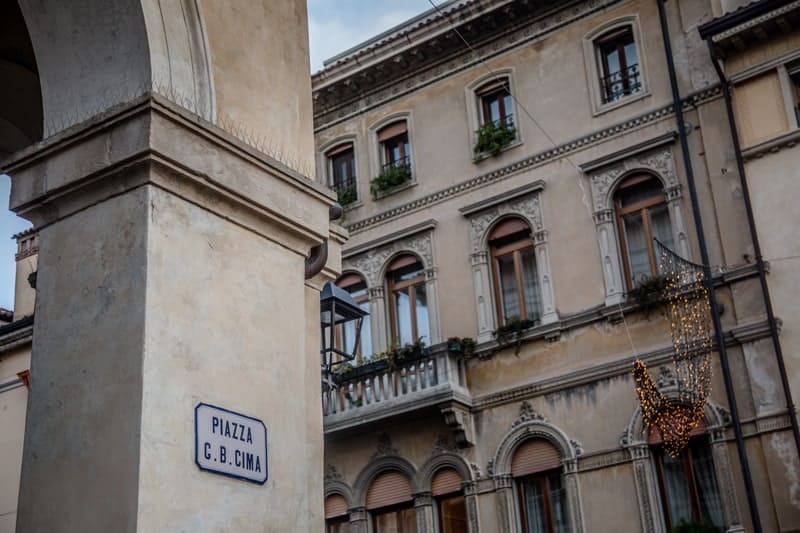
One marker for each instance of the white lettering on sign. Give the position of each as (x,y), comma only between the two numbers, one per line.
(230,443)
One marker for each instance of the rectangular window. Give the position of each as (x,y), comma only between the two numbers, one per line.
(342,164)
(395,521)
(689,489)
(452,514)
(619,65)
(496,104)
(516,279)
(397,151)
(409,302)
(543,503)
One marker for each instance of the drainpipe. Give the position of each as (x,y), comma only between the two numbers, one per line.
(698,223)
(751,223)
(318,257)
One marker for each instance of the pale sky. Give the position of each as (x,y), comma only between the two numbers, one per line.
(333,26)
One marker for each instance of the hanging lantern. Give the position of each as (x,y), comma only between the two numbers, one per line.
(337,311)
(676,413)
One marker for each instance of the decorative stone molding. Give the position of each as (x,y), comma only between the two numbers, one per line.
(652,157)
(533,161)
(634,439)
(384,446)
(372,264)
(376,466)
(335,484)
(523,202)
(528,414)
(459,419)
(500,467)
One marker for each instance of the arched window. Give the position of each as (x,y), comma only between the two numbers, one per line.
(516,282)
(642,214)
(688,484)
(336,517)
(496,103)
(618,63)
(451,505)
(342,172)
(538,477)
(390,503)
(357,287)
(408,301)
(395,146)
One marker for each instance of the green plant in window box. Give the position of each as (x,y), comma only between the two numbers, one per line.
(390,178)
(492,138)
(649,293)
(694,526)
(511,332)
(346,195)
(464,346)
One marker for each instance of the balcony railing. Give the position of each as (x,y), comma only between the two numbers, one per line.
(393,175)
(404,163)
(379,389)
(621,83)
(346,191)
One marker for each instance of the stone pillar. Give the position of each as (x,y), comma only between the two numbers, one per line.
(609,255)
(471,497)
(171,272)
(483,295)
(433,307)
(423,503)
(722,469)
(646,489)
(506,504)
(572,487)
(359,520)
(549,314)
(377,319)
(681,241)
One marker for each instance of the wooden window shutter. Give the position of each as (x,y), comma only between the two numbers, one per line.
(336,150)
(392,130)
(493,86)
(446,481)
(335,506)
(348,280)
(389,488)
(535,455)
(402,261)
(654,435)
(509,227)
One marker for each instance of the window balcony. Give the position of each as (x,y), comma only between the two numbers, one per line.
(621,83)
(394,176)
(382,389)
(346,191)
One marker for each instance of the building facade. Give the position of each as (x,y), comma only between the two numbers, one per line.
(505,167)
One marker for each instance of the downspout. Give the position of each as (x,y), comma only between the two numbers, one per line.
(701,240)
(751,223)
(318,256)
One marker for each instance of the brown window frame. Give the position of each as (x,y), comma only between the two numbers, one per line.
(515,247)
(498,89)
(405,506)
(617,39)
(544,478)
(444,497)
(405,286)
(643,208)
(794,78)
(332,524)
(688,471)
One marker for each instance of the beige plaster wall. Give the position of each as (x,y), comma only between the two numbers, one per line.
(13,404)
(253,359)
(263,87)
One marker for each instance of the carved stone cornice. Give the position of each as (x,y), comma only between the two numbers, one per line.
(371,263)
(528,207)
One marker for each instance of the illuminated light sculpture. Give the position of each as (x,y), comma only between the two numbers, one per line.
(677,413)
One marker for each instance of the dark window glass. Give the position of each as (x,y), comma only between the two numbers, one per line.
(642,215)
(452,514)
(543,503)
(496,104)
(794,75)
(337,525)
(619,65)
(402,520)
(689,489)
(358,290)
(343,174)
(397,151)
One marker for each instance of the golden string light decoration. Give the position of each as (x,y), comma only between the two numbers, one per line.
(678,411)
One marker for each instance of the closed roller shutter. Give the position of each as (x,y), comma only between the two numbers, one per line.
(392,130)
(389,488)
(536,455)
(654,436)
(446,481)
(335,505)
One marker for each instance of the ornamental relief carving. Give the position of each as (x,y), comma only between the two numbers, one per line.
(372,262)
(529,207)
(660,162)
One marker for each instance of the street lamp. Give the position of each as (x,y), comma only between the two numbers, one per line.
(337,308)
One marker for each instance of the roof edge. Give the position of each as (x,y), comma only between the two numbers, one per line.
(739,16)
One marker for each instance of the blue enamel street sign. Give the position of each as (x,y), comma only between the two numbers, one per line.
(230,443)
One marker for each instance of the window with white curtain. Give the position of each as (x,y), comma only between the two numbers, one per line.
(642,215)
(516,281)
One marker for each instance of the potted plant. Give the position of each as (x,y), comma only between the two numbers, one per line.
(649,293)
(511,332)
(492,137)
(391,178)
(464,346)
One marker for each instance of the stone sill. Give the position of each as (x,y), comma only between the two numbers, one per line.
(394,190)
(611,106)
(483,156)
